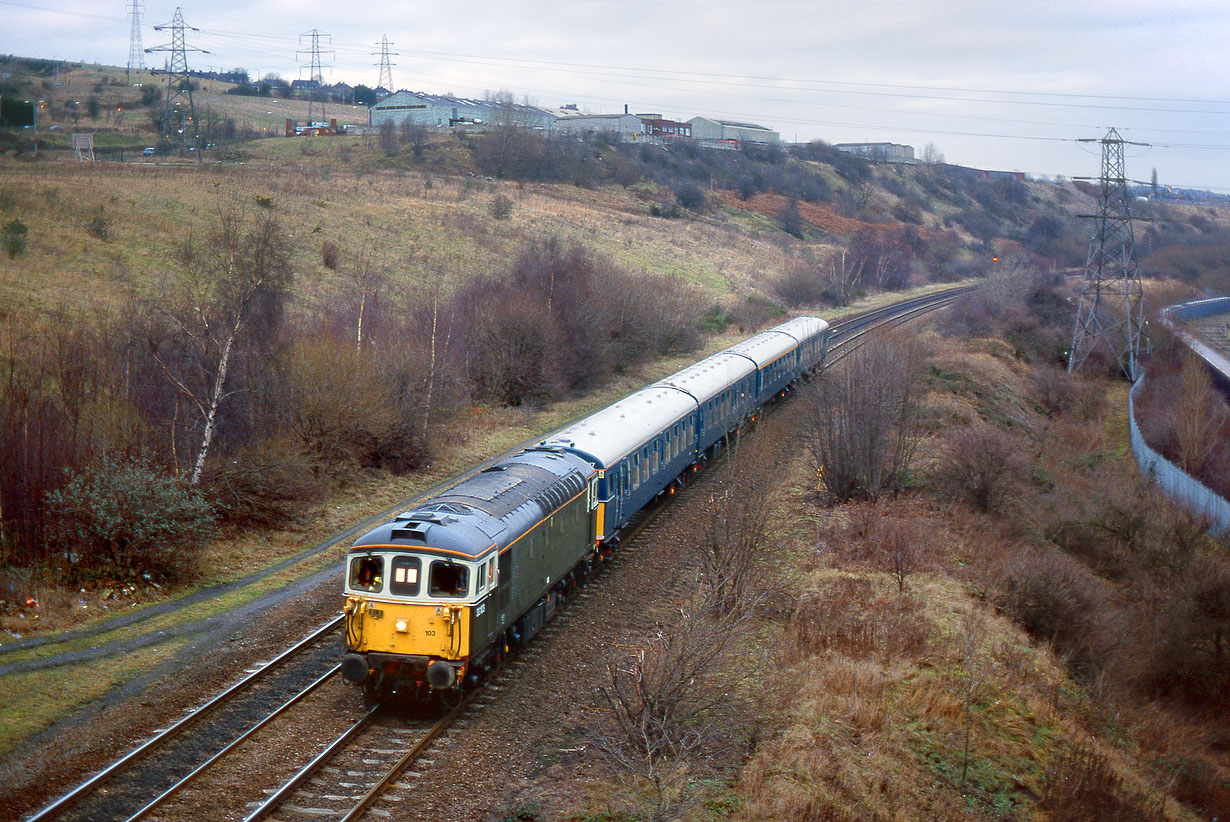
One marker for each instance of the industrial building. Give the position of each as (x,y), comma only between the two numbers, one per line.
(624,126)
(449,112)
(730,132)
(879,152)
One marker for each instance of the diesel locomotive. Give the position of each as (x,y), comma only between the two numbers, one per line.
(438,596)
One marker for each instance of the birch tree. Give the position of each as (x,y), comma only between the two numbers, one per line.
(228,297)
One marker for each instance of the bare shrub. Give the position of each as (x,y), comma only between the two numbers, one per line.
(1024,307)
(883,257)
(562,317)
(1057,600)
(98,226)
(981,466)
(1082,786)
(388,138)
(1199,416)
(335,400)
(13,238)
(1062,394)
(501,207)
(863,425)
(264,486)
(511,347)
(733,525)
(671,712)
(800,284)
(1184,650)
(900,546)
(853,616)
(329,254)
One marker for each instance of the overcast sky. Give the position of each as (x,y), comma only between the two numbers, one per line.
(1003,84)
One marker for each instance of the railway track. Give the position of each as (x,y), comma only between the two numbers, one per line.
(131,787)
(368,763)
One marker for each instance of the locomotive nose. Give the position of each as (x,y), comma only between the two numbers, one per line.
(354,668)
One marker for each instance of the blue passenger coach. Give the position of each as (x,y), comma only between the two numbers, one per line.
(641,444)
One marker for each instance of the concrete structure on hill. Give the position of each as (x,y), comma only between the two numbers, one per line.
(624,126)
(728,131)
(879,152)
(449,112)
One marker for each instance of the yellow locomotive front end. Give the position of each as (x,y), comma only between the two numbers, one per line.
(409,619)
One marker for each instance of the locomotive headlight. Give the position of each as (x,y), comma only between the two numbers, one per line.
(401,626)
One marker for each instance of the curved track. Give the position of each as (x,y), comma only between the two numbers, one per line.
(362,765)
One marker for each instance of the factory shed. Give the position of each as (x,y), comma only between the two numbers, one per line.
(705,129)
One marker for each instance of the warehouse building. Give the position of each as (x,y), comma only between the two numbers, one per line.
(626,127)
(879,152)
(730,132)
(449,112)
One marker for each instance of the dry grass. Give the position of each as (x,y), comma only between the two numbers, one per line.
(423,234)
(33,701)
(881,687)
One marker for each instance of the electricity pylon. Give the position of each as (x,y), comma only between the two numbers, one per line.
(1112,306)
(386,67)
(136,54)
(178,124)
(315,73)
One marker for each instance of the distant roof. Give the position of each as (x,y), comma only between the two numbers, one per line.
(445,100)
(594,116)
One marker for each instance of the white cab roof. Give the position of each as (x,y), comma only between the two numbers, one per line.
(710,376)
(619,429)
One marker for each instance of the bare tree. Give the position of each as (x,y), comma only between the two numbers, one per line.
(232,285)
(973,671)
(899,544)
(1198,414)
(932,155)
(863,428)
(671,710)
(734,529)
(981,466)
(843,275)
(368,279)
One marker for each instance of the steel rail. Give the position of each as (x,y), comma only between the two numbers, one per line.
(134,755)
(316,764)
(200,769)
(891,320)
(409,756)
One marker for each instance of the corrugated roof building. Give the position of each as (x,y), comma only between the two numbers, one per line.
(704,128)
(622,126)
(879,152)
(447,112)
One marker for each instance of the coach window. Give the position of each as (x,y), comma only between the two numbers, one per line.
(405,574)
(448,579)
(367,573)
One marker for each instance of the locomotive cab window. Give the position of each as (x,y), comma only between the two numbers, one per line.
(448,580)
(367,574)
(405,576)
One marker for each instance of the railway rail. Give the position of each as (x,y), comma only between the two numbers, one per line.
(174,755)
(362,765)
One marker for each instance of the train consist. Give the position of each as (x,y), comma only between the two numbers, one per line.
(436,597)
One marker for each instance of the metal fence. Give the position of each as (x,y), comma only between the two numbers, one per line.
(1177,483)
